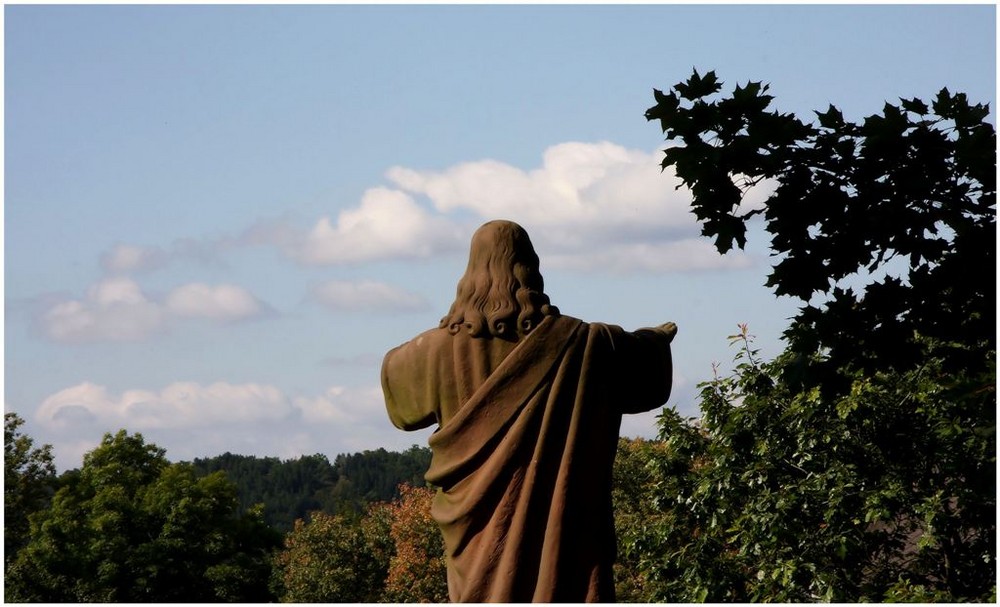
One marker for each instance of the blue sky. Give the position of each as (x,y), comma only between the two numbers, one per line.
(219,218)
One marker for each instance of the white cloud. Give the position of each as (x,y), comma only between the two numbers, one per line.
(367,296)
(341,405)
(126,258)
(190,404)
(116,309)
(116,291)
(387,224)
(192,420)
(179,405)
(584,197)
(580,185)
(590,206)
(348,420)
(222,302)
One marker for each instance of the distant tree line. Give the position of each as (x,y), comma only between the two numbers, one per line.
(291,489)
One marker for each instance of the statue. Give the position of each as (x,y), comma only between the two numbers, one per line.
(528,404)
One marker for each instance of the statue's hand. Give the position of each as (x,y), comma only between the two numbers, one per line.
(669,328)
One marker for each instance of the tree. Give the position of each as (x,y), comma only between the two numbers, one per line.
(29,478)
(393,552)
(292,489)
(860,464)
(339,558)
(910,192)
(639,512)
(417,571)
(376,475)
(131,526)
(886,493)
(288,489)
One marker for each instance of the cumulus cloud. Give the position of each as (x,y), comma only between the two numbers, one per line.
(190,404)
(116,309)
(590,206)
(192,420)
(341,405)
(179,405)
(583,198)
(581,185)
(126,258)
(387,224)
(222,302)
(346,420)
(367,295)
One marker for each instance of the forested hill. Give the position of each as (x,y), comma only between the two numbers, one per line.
(290,489)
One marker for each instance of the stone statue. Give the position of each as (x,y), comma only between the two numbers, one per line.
(528,404)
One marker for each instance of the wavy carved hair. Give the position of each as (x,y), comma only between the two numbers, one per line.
(501,293)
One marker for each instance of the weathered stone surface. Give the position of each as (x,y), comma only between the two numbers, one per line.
(529,403)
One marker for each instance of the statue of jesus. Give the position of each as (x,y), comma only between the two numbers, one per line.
(528,404)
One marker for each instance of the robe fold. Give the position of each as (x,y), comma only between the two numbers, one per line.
(523,454)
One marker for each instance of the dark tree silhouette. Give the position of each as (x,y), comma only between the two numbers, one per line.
(890,221)
(860,464)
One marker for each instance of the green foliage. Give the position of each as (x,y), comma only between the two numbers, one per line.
(900,206)
(393,552)
(290,490)
(29,478)
(287,489)
(335,558)
(132,527)
(860,465)
(376,475)
(638,515)
(418,572)
(886,493)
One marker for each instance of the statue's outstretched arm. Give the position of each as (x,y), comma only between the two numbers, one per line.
(407,388)
(642,367)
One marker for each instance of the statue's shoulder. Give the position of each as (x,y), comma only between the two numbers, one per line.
(421,345)
(601,327)
(604,332)
(433,338)
(563,323)
(565,318)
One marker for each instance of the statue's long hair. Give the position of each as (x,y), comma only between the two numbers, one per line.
(501,293)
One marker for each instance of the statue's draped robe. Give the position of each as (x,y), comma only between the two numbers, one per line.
(523,455)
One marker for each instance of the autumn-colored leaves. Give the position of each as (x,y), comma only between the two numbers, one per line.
(391,553)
